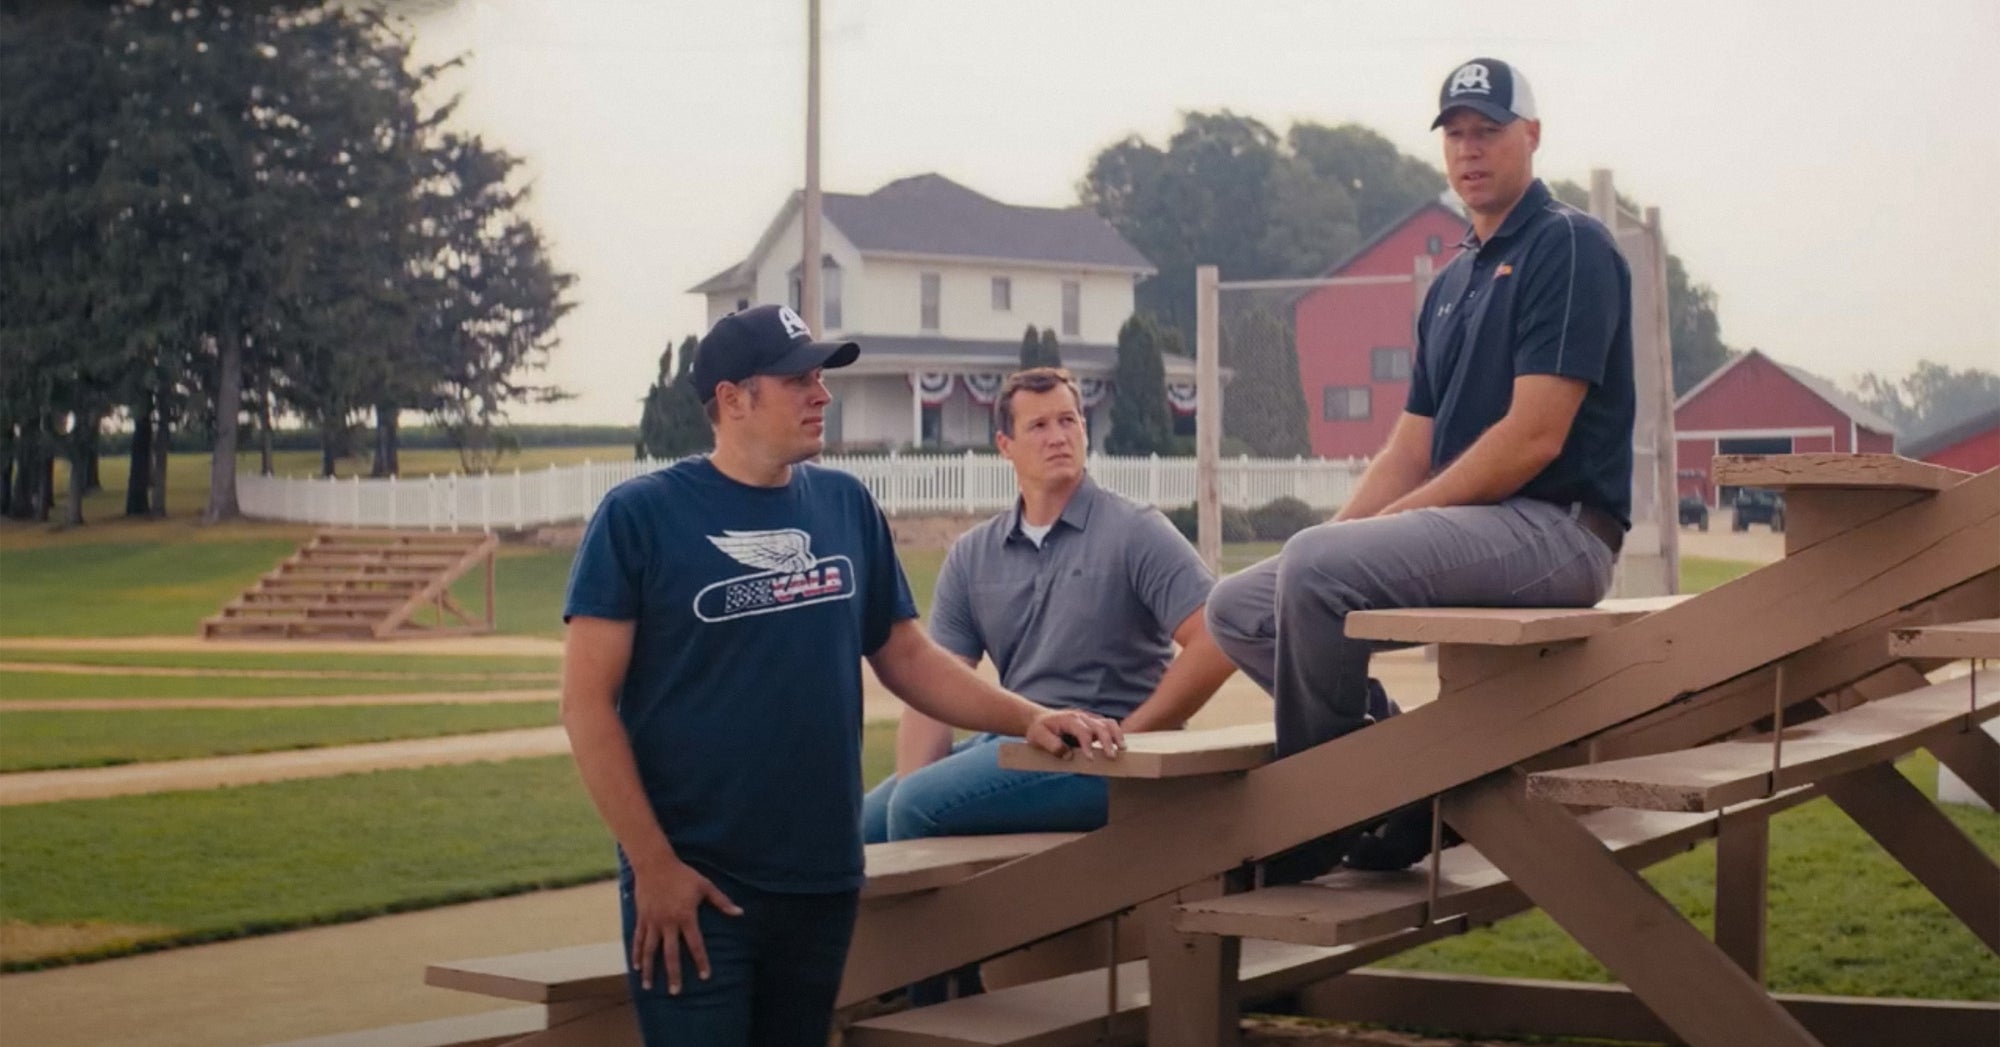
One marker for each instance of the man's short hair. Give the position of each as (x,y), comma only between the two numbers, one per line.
(1034,380)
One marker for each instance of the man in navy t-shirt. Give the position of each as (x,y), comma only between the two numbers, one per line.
(1505,482)
(718,613)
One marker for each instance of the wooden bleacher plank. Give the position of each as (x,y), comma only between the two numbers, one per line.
(1831,470)
(1980,639)
(1348,906)
(1502,626)
(1161,754)
(486,1029)
(1714,776)
(908,866)
(588,971)
(374,583)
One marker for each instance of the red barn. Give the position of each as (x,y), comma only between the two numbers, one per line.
(1970,443)
(1356,343)
(1756,405)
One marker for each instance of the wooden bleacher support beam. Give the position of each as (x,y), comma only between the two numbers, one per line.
(1911,554)
(1975,757)
(1533,1007)
(1742,877)
(1190,979)
(1918,835)
(1683,977)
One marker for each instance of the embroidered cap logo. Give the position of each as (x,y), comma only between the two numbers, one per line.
(1471,78)
(795,325)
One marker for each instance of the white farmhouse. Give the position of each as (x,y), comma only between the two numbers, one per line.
(937,283)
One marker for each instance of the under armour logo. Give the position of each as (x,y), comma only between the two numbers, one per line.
(1471,78)
(794,326)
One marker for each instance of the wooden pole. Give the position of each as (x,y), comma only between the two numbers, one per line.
(809,274)
(1667,446)
(1208,413)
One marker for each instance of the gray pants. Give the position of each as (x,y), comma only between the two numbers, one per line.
(1283,621)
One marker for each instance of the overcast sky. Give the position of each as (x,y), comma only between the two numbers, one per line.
(1830,168)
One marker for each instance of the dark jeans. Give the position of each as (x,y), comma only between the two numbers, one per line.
(776,970)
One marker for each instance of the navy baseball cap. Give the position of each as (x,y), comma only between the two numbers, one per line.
(1489,87)
(764,339)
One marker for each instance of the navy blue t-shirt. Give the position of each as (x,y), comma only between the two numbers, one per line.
(1548,293)
(753,608)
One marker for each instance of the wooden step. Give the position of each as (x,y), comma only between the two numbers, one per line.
(1881,472)
(348,579)
(1349,906)
(1071,1010)
(585,971)
(306,612)
(1502,626)
(1955,640)
(326,598)
(487,1029)
(1714,776)
(383,558)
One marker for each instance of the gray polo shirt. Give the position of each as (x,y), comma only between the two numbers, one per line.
(1086,620)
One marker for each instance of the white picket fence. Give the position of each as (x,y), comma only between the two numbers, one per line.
(903,484)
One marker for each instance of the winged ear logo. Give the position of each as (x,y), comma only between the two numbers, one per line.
(786,576)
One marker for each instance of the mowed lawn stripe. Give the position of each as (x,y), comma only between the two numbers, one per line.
(32,741)
(290,657)
(111,684)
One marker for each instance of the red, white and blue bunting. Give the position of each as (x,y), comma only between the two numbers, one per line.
(1181,396)
(933,387)
(1093,390)
(984,388)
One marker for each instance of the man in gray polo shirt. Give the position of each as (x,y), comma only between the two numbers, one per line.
(1078,595)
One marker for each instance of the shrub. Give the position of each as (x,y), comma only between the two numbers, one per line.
(1235,523)
(1278,520)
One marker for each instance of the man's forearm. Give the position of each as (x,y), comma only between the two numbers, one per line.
(1187,685)
(1497,465)
(1389,477)
(941,687)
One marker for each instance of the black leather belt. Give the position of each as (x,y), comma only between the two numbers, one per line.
(1602,525)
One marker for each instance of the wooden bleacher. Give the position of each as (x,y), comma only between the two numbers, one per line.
(1678,721)
(364,585)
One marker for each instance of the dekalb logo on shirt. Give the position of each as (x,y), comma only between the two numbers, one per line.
(787,576)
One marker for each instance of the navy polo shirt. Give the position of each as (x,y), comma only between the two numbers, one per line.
(1547,294)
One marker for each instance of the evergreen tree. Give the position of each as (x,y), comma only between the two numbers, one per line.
(1265,406)
(1140,421)
(1039,349)
(674,424)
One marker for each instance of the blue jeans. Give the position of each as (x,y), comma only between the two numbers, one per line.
(775,971)
(968,793)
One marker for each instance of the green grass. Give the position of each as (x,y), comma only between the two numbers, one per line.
(23,686)
(291,660)
(1699,575)
(126,588)
(34,741)
(224,863)
(1845,919)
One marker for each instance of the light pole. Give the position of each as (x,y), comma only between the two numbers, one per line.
(809,274)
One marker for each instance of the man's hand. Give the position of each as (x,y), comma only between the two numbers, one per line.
(666,899)
(1064,732)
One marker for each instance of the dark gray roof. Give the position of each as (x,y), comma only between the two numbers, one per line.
(975,351)
(1951,431)
(931,214)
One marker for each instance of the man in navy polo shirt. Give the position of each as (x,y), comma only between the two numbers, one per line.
(1507,479)
(718,613)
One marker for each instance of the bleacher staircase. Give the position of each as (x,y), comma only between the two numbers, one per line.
(366,585)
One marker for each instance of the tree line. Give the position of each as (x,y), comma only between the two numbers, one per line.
(224,216)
